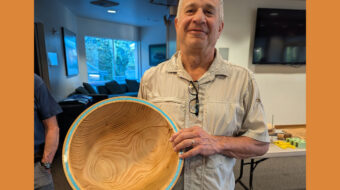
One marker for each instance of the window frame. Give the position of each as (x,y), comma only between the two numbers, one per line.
(137,53)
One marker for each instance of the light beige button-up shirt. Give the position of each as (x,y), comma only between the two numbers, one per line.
(229,105)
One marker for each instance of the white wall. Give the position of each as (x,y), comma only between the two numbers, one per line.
(53,15)
(150,35)
(283,88)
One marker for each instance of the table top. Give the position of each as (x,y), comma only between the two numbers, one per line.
(275,151)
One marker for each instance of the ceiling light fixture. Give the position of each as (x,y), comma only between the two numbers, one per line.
(112,11)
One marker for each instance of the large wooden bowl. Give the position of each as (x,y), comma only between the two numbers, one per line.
(121,143)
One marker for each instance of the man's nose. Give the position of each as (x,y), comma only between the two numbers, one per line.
(199,17)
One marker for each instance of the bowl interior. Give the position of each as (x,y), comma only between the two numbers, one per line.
(122,145)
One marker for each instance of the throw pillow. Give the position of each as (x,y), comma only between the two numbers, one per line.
(113,87)
(102,90)
(89,88)
(82,90)
(124,87)
(133,85)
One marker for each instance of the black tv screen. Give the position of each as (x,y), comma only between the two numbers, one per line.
(280,37)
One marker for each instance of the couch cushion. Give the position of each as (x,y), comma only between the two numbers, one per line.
(89,88)
(102,90)
(113,87)
(124,87)
(132,85)
(82,90)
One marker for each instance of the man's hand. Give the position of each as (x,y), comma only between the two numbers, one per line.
(195,137)
(51,139)
(205,144)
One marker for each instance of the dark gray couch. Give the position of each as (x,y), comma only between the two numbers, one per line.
(110,89)
(87,95)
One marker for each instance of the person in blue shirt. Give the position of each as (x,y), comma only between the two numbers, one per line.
(46,134)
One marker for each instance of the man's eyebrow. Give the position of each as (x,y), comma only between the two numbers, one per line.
(210,6)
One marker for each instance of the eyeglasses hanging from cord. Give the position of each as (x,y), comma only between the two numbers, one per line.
(194,103)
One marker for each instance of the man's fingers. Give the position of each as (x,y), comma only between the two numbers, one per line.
(174,136)
(195,137)
(184,144)
(183,136)
(193,152)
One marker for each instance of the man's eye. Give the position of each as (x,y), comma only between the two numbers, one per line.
(190,11)
(209,12)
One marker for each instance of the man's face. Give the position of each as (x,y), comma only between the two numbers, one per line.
(198,24)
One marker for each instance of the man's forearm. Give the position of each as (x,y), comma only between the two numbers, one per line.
(51,139)
(206,144)
(241,147)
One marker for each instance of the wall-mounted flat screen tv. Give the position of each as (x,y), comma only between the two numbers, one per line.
(280,37)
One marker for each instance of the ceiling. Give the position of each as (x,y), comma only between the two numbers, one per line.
(133,12)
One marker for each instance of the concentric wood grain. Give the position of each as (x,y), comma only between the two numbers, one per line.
(123,145)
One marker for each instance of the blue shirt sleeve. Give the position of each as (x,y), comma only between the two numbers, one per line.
(43,100)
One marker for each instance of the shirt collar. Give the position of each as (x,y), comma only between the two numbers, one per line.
(172,66)
(218,66)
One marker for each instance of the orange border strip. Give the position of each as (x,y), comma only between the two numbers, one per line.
(16,94)
(322,94)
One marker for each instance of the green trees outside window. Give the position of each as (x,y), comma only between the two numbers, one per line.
(109,59)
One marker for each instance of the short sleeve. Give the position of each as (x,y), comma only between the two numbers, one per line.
(141,91)
(44,102)
(254,123)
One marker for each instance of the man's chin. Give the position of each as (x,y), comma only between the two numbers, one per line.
(197,44)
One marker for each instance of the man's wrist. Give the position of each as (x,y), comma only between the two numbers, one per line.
(219,144)
(47,165)
(222,144)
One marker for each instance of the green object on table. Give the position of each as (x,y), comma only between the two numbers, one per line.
(297,142)
(288,140)
(300,144)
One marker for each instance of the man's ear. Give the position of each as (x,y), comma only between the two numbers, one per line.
(220,28)
(176,23)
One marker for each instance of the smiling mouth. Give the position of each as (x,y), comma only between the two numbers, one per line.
(197,31)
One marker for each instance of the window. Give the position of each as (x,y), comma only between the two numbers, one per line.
(109,59)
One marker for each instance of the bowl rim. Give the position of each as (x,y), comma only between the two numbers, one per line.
(65,153)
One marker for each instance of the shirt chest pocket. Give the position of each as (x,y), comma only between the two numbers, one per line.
(173,107)
(223,118)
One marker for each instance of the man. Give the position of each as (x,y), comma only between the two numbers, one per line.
(215,104)
(46,134)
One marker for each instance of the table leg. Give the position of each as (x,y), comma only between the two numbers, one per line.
(251,174)
(253,165)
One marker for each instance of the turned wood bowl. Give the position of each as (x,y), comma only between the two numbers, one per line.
(121,143)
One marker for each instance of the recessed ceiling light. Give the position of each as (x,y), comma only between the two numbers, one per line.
(112,11)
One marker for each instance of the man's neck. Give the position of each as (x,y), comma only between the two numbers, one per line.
(196,63)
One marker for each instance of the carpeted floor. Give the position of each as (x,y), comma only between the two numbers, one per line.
(272,174)
(275,174)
